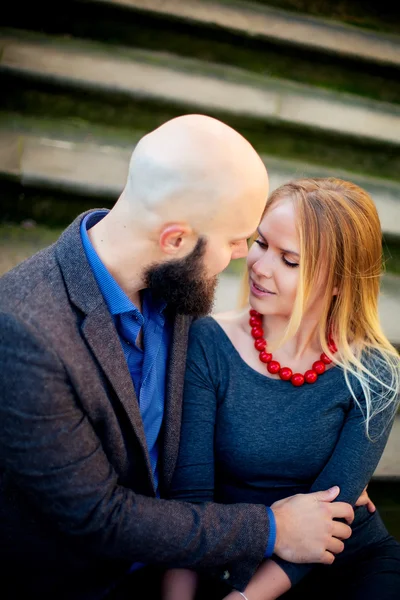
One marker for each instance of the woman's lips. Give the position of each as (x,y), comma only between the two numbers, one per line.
(260,291)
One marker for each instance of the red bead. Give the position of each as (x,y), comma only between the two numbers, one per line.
(332,346)
(274,367)
(325,358)
(310,376)
(255,322)
(260,344)
(285,373)
(265,357)
(319,367)
(257,332)
(297,379)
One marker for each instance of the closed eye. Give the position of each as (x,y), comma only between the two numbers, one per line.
(264,246)
(289,264)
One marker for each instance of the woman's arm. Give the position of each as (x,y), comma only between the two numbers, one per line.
(193,479)
(350,467)
(268,583)
(179,583)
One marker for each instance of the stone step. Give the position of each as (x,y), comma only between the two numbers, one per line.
(190,82)
(252,19)
(100,169)
(162,30)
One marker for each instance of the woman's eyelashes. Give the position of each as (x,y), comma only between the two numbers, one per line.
(264,246)
(289,264)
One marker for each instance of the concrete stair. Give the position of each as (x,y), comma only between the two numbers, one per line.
(99,169)
(252,19)
(191,83)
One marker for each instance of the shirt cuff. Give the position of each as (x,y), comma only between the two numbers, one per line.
(272,533)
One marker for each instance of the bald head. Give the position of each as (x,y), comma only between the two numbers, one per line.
(191,167)
(195,193)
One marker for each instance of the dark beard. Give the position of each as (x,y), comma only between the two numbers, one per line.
(182,283)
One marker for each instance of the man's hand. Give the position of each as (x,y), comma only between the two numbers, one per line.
(365,500)
(305,528)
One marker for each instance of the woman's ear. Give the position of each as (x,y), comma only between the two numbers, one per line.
(335,291)
(174,237)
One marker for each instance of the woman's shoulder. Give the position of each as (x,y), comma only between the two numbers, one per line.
(216,324)
(213,336)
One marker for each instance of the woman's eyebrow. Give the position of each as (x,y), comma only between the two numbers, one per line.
(281,249)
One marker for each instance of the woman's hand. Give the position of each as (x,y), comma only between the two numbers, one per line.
(268,583)
(365,500)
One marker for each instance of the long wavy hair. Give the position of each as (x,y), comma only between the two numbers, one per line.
(340,237)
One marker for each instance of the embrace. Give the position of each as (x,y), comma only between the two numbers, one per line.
(150,450)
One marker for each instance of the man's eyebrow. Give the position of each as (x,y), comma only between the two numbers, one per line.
(281,249)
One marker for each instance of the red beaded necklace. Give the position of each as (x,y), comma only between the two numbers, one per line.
(286,374)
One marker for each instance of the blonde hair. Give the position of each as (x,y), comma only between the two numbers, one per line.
(341,239)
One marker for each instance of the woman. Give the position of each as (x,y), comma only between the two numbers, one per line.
(300,393)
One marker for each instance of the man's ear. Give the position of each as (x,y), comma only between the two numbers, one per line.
(174,237)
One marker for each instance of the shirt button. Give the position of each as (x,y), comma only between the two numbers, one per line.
(226,575)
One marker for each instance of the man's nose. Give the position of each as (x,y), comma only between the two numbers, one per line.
(241,251)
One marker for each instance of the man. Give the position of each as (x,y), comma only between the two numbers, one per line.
(93,334)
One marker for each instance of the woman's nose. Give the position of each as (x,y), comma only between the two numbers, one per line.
(262,268)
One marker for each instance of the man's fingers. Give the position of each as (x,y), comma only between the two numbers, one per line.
(371,506)
(327,495)
(327,558)
(341,530)
(335,546)
(342,510)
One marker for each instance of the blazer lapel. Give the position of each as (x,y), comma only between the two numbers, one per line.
(174,395)
(99,331)
(98,327)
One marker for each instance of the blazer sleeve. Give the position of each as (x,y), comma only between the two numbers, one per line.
(351,465)
(51,452)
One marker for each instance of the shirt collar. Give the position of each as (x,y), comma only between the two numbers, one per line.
(116,299)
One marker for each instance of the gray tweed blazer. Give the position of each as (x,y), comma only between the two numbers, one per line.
(77,502)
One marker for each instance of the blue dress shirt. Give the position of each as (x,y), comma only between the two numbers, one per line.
(148,367)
